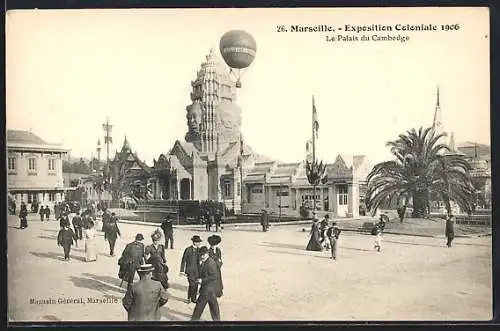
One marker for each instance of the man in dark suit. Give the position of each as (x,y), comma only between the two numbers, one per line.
(132,257)
(450,230)
(168,231)
(190,267)
(209,280)
(144,298)
(78,225)
(111,232)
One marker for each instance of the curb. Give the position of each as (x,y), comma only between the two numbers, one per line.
(229,225)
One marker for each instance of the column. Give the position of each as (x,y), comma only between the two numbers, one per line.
(321,197)
(332,195)
(178,187)
(298,196)
(353,199)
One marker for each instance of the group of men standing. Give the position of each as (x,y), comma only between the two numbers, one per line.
(200,265)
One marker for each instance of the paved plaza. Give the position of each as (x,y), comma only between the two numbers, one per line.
(267,276)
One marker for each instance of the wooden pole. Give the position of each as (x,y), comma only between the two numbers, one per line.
(314,151)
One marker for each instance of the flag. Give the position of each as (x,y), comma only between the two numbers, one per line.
(309,150)
(308,146)
(315,119)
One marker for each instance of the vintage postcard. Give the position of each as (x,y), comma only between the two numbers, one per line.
(249,165)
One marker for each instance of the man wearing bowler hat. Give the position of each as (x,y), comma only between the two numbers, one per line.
(209,280)
(168,231)
(144,298)
(190,267)
(132,257)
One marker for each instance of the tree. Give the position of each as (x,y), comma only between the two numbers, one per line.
(316,174)
(424,169)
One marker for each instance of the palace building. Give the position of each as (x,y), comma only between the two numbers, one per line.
(34,169)
(215,163)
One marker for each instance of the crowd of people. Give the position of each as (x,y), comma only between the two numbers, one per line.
(201,265)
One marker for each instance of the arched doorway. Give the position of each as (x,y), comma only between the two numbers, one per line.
(185,189)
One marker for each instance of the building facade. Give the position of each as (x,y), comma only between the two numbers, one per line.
(34,169)
(479,157)
(215,163)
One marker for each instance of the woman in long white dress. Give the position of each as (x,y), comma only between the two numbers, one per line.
(90,251)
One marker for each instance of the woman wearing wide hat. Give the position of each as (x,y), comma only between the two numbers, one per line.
(216,254)
(155,254)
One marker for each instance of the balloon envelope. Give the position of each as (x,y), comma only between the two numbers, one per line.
(238,48)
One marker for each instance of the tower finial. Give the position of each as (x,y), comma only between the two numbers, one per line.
(437,101)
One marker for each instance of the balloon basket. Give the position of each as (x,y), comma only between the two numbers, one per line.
(238,84)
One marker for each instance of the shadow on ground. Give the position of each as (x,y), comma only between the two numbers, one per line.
(283,245)
(48,237)
(97,284)
(174,315)
(296,254)
(179,287)
(56,256)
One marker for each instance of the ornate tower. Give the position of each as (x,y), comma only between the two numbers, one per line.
(213,119)
(437,123)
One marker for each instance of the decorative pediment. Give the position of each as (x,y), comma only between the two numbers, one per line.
(163,163)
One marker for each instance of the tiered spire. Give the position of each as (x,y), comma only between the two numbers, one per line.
(437,123)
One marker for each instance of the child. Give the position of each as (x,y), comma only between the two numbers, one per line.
(333,234)
(378,238)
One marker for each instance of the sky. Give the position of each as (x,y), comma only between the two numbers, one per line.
(68,70)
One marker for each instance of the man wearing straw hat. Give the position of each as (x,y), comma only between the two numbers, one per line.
(144,298)
(190,267)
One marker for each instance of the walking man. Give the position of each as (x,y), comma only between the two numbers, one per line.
(450,230)
(144,298)
(132,258)
(209,280)
(66,238)
(111,233)
(47,212)
(78,225)
(42,213)
(23,216)
(168,231)
(190,268)
(264,220)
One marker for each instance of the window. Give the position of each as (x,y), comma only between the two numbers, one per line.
(12,163)
(342,194)
(52,197)
(32,164)
(282,193)
(227,189)
(32,197)
(52,165)
(257,190)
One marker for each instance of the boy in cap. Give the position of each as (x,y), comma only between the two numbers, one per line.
(190,267)
(209,281)
(333,234)
(144,298)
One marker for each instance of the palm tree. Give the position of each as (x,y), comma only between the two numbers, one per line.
(316,174)
(424,169)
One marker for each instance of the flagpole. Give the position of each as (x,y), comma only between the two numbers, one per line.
(241,173)
(314,150)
